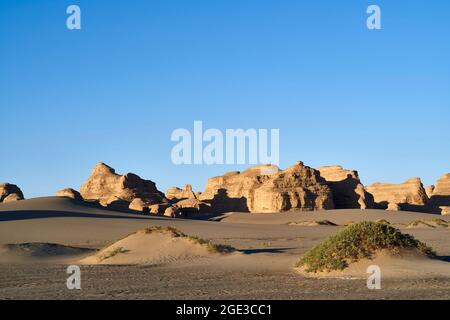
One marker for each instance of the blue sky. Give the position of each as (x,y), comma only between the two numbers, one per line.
(375,101)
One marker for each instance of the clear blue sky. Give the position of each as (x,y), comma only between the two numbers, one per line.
(375,101)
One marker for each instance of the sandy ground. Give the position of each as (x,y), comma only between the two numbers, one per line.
(268,244)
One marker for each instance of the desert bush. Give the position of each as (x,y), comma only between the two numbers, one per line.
(358,241)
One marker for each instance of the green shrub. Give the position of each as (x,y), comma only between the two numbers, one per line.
(355,242)
(211,246)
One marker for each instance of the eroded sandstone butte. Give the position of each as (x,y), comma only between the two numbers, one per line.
(10,192)
(408,195)
(440,198)
(176,193)
(268,189)
(348,191)
(69,193)
(429,190)
(111,189)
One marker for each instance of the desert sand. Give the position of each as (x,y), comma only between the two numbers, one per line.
(151,247)
(40,237)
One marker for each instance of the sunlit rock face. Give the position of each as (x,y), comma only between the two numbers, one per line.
(266,189)
(108,188)
(10,192)
(348,191)
(407,195)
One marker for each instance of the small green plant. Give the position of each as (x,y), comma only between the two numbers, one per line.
(220,248)
(355,242)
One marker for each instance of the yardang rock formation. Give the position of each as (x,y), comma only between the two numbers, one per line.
(181,194)
(268,189)
(406,195)
(108,188)
(440,198)
(348,191)
(259,189)
(10,192)
(70,193)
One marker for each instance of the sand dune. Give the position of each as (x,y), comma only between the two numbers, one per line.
(68,222)
(40,252)
(154,246)
(53,207)
(406,264)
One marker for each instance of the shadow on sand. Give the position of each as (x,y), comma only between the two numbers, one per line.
(443,258)
(265,250)
(42,214)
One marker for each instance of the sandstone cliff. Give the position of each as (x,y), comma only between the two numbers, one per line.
(440,198)
(348,191)
(266,188)
(408,195)
(180,194)
(110,189)
(441,193)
